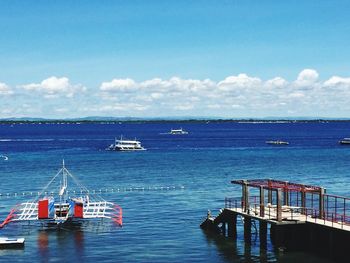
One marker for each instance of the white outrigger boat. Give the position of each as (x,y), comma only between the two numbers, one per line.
(66,206)
(178,131)
(278,142)
(126,145)
(345,141)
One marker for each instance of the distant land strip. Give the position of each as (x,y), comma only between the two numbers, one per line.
(160,120)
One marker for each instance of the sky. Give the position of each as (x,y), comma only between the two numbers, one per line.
(230,59)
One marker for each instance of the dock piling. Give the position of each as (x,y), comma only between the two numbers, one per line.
(303,200)
(279,205)
(232,227)
(262,202)
(223,228)
(263,234)
(269,193)
(247,229)
(321,203)
(245,191)
(285,194)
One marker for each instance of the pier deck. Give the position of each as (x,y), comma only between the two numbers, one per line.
(289,218)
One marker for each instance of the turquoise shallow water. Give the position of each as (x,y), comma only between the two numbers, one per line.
(165,191)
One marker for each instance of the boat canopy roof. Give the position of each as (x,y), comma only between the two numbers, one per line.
(128,142)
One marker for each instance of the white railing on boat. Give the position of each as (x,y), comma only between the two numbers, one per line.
(98,210)
(28,211)
(103,209)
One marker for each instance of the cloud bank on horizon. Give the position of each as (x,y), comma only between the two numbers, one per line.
(235,96)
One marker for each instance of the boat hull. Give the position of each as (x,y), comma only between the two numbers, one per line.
(11,242)
(118,149)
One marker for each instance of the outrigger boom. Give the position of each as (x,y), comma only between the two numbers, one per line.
(64,208)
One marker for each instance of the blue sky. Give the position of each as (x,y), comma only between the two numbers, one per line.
(174,58)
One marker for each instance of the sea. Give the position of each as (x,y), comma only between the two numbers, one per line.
(165,191)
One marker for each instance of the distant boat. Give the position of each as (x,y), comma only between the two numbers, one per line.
(277,142)
(6,242)
(126,145)
(178,131)
(4,157)
(345,141)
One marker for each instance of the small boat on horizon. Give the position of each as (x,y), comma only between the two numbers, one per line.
(5,158)
(178,131)
(277,142)
(345,141)
(126,145)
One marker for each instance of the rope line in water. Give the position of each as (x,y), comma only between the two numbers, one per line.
(97,191)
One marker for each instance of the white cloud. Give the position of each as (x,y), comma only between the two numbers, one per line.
(277,82)
(184,107)
(54,87)
(6,112)
(174,93)
(241,81)
(236,106)
(5,89)
(307,77)
(157,95)
(13,110)
(296,95)
(62,110)
(336,81)
(119,85)
(214,106)
(117,107)
(157,85)
(234,96)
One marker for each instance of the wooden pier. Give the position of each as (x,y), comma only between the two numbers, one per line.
(300,217)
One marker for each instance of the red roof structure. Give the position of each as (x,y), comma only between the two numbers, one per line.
(276,184)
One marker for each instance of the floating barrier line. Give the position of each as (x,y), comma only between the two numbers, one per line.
(98,191)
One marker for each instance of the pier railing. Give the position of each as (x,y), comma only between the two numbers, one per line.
(336,210)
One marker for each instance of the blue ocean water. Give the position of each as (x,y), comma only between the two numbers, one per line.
(165,191)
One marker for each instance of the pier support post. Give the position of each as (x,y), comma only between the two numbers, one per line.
(232,227)
(269,192)
(263,234)
(321,204)
(303,200)
(247,229)
(279,205)
(285,194)
(262,202)
(223,229)
(247,252)
(277,235)
(245,196)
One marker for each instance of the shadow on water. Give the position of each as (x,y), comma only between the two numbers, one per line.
(238,251)
(65,241)
(235,250)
